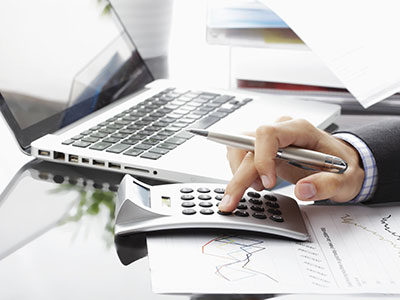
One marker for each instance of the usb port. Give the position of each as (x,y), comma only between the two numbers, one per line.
(44,153)
(98,163)
(114,166)
(59,155)
(85,160)
(73,158)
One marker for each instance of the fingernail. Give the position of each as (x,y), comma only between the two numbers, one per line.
(225,202)
(257,186)
(307,190)
(265,180)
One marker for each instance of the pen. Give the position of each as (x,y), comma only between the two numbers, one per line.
(302,158)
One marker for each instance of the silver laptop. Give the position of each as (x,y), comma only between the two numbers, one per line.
(85,97)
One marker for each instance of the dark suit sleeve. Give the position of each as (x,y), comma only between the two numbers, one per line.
(383,138)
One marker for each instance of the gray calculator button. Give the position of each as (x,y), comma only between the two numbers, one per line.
(205,204)
(274,211)
(259,215)
(186,190)
(204,197)
(241,213)
(276,218)
(206,211)
(224,213)
(242,206)
(255,201)
(219,190)
(188,204)
(188,211)
(218,197)
(257,208)
(187,197)
(253,195)
(272,204)
(270,197)
(203,190)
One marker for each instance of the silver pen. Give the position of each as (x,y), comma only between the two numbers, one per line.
(302,158)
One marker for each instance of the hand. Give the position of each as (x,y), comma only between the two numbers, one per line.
(259,169)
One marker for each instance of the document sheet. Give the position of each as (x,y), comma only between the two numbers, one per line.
(358,40)
(352,249)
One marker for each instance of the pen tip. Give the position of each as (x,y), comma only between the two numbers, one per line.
(198,132)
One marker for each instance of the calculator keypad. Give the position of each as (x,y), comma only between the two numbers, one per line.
(258,205)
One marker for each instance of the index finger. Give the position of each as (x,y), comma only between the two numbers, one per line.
(245,175)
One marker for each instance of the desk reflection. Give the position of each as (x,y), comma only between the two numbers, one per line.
(57,242)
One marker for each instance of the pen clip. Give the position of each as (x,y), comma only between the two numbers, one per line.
(313,168)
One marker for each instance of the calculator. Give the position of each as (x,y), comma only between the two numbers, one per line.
(143,209)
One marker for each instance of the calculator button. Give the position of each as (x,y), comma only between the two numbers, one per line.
(186,190)
(255,201)
(187,197)
(242,206)
(188,204)
(204,197)
(259,215)
(205,204)
(274,211)
(206,211)
(203,190)
(224,213)
(257,208)
(276,218)
(241,213)
(272,204)
(219,197)
(270,197)
(242,200)
(253,195)
(188,211)
(219,190)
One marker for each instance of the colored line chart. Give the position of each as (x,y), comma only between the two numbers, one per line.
(348,219)
(236,252)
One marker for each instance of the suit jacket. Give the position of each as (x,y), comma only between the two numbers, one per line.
(383,138)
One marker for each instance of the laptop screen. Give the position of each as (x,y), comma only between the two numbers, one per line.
(62,60)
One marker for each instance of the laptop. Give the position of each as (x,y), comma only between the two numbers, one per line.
(85,97)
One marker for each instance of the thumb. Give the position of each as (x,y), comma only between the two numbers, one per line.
(322,186)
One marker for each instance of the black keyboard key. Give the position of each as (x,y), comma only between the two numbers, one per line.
(167,146)
(184,135)
(111,140)
(86,132)
(90,139)
(77,137)
(118,148)
(205,122)
(142,147)
(175,141)
(99,135)
(159,151)
(130,142)
(68,142)
(100,146)
(133,152)
(81,144)
(150,155)
(107,130)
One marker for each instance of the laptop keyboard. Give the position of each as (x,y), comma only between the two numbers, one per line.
(157,125)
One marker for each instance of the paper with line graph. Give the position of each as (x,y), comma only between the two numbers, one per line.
(353,249)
